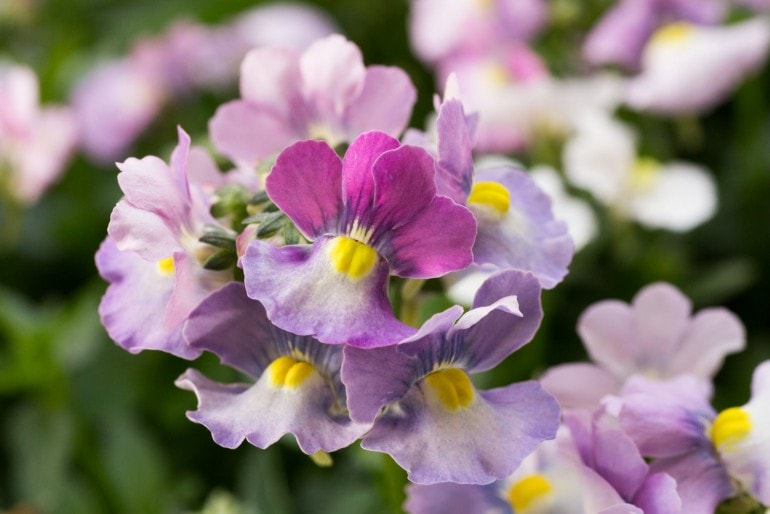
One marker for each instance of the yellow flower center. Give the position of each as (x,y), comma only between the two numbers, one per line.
(351,257)
(731,426)
(497,75)
(452,387)
(672,34)
(491,195)
(288,372)
(644,173)
(527,491)
(165,267)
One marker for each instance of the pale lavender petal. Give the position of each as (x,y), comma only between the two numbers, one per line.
(494,333)
(333,73)
(192,283)
(579,385)
(481,443)
(701,480)
(666,418)
(306,184)
(262,414)
(151,185)
(607,329)
(625,508)
(712,334)
(662,315)
(357,177)
(249,133)
(528,237)
(133,308)
(146,233)
(270,77)
(440,240)
(658,495)
(449,498)
(619,37)
(303,294)
(385,103)
(454,173)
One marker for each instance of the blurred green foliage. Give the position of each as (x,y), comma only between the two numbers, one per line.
(85,427)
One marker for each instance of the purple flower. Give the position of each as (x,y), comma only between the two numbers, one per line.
(435,423)
(325,93)
(372,214)
(656,336)
(296,388)
(152,257)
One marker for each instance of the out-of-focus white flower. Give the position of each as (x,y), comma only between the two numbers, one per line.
(580,218)
(689,69)
(35,143)
(601,158)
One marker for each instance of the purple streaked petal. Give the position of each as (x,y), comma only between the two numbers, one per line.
(332,72)
(528,237)
(385,102)
(357,178)
(658,495)
(262,414)
(438,241)
(579,385)
(313,203)
(133,308)
(449,498)
(455,158)
(492,334)
(303,294)
(248,133)
(701,480)
(666,418)
(484,442)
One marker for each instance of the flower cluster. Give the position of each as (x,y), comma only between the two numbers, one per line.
(307,279)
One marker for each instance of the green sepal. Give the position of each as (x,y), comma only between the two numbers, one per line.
(218,239)
(291,235)
(221,260)
(262,217)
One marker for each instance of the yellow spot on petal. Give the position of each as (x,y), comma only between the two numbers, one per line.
(288,372)
(497,75)
(452,387)
(527,491)
(491,195)
(731,426)
(166,266)
(351,257)
(644,173)
(672,34)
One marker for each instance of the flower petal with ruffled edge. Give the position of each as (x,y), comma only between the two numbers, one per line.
(310,406)
(380,201)
(526,236)
(470,436)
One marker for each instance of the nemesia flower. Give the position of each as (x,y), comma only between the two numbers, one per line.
(620,36)
(672,422)
(152,257)
(656,335)
(35,142)
(440,28)
(371,214)
(551,480)
(296,386)
(516,228)
(687,69)
(325,92)
(601,158)
(282,24)
(435,424)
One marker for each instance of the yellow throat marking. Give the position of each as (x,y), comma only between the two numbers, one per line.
(452,387)
(528,490)
(288,372)
(672,34)
(491,195)
(731,426)
(644,173)
(165,267)
(351,257)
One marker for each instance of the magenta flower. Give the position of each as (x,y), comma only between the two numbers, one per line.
(325,92)
(371,214)
(435,423)
(153,258)
(296,385)
(656,336)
